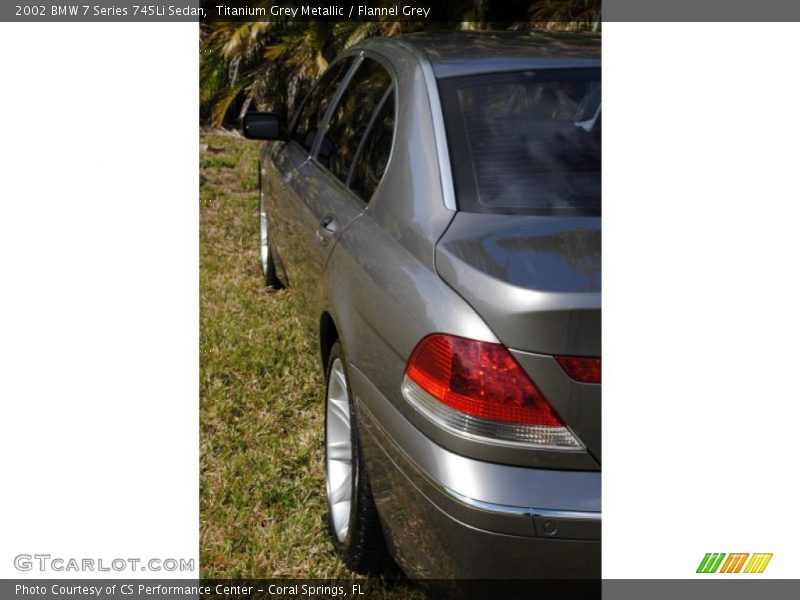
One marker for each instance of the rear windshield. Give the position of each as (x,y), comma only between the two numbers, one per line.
(525,142)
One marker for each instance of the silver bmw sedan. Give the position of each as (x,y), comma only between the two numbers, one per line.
(435,206)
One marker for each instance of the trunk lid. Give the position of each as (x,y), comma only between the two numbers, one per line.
(535,280)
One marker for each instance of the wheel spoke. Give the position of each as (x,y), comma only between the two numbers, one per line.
(342,531)
(341,411)
(341,516)
(339,374)
(340,450)
(342,491)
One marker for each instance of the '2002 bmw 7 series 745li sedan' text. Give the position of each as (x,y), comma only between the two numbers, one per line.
(435,206)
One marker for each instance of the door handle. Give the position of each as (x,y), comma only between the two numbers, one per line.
(328,224)
(326,230)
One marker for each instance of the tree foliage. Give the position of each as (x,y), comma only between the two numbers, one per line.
(269,65)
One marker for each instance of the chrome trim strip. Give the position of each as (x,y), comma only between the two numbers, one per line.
(521,511)
(442,152)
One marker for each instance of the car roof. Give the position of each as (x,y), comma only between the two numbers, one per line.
(455,54)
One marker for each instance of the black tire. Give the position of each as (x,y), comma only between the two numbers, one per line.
(363,549)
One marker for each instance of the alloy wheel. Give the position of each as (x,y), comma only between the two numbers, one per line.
(339,450)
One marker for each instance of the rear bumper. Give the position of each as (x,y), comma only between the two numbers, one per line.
(449,516)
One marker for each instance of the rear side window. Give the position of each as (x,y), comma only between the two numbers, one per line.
(373,155)
(351,117)
(525,142)
(313,110)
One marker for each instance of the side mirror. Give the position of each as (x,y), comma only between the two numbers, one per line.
(262,126)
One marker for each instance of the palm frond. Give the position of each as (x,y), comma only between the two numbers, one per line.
(270,64)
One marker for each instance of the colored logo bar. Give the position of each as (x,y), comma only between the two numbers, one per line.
(714,562)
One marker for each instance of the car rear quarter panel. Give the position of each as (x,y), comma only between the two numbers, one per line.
(381,282)
(383,291)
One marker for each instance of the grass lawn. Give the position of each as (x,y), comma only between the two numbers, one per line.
(262,500)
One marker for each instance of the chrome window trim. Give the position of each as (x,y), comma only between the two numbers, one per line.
(439,134)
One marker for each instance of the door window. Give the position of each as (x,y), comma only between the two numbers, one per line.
(351,117)
(373,155)
(313,109)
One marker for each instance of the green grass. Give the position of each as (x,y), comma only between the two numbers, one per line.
(262,502)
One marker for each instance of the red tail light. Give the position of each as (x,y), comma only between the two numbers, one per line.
(580,368)
(480,389)
(479,379)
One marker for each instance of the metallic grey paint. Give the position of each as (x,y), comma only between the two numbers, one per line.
(546,270)
(406,265)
